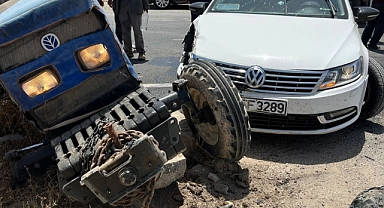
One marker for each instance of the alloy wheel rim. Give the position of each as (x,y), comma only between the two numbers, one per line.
(162,3)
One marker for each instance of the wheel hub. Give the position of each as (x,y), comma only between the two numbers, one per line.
(208,132)
(162,3)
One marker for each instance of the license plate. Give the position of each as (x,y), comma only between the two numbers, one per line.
(266,106)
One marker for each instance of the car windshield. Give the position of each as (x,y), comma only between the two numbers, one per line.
(307,8)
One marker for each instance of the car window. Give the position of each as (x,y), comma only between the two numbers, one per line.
(307,8)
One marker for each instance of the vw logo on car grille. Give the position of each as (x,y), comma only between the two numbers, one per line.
(50,41)
(255,76)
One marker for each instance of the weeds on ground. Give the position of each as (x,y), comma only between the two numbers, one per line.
(12,121)
(38,191)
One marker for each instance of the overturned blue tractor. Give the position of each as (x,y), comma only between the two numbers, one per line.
(107,135)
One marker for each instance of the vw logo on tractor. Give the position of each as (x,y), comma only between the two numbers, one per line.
(255,76)
(50,41)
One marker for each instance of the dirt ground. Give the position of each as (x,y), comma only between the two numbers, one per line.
(289,171)
(277,171)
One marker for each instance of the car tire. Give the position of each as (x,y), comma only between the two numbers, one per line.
(162,4)
(374,94)
(227,134)
(370,198)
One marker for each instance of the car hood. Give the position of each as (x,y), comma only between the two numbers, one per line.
(277,42)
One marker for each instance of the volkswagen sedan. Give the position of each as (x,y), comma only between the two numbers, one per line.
(299,65)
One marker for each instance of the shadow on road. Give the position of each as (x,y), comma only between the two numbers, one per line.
(311,150)
(372,126)
(377,54)
(136,61)
(380,51)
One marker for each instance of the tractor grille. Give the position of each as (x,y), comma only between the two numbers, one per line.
(109,87)
(139,110)
(28,48)
(302,82)
(291,122)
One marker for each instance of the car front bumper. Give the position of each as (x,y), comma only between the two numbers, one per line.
(311,114)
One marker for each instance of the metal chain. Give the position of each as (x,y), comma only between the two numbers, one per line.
(101,148)
(113,144)
(88,150)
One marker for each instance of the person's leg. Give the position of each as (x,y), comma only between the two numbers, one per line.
(193,17)
(379,27)
(138,34)
(368,30)
(118,29)
(126,28)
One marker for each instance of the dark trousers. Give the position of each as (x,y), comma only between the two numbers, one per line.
(129,21)
(375,28)
(193,16)
(118,30)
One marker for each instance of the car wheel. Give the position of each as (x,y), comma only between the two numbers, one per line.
(374,94)
(162,4)
(370,198)
(218,118)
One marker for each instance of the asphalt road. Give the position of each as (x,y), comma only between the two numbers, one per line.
(163,43)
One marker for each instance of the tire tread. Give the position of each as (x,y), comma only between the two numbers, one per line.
(375,104)
(234,118)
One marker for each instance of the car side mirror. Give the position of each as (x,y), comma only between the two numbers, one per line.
(198,8)
(364,13)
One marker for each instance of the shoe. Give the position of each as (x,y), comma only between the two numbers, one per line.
(373,47)
(129,54)
(141,56)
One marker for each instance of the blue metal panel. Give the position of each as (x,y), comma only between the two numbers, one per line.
(63,59)
(26,16)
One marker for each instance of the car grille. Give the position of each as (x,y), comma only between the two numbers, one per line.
(278,81)
(291,122)
(26,49)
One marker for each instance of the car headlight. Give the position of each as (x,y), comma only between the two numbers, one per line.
(94,57)
(343,75)
(40,82)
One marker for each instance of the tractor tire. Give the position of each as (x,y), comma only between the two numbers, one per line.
(227,134)
(374,94)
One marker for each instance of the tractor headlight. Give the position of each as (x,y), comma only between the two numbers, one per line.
(40,82)
(94,56)
(343,75)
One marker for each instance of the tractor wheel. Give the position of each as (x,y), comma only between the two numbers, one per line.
(374,94)
(218,118)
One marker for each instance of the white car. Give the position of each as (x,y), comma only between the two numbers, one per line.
(299,66)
